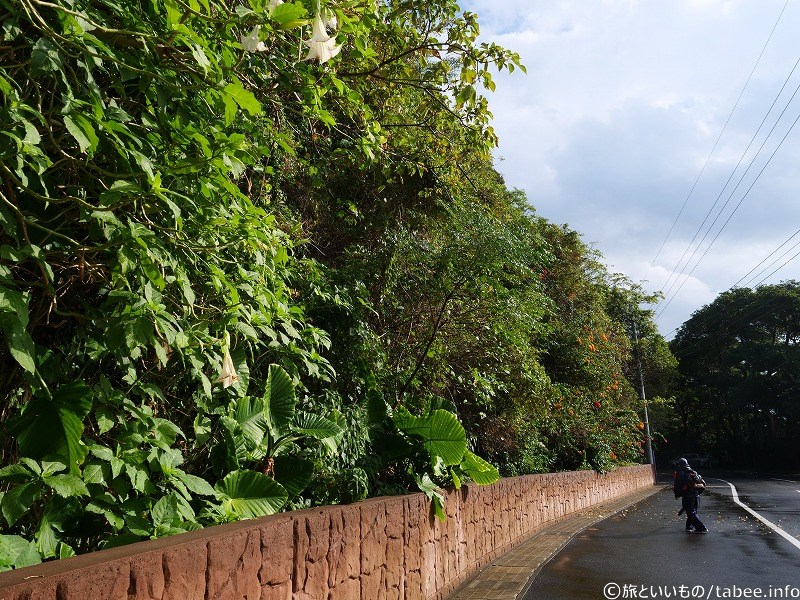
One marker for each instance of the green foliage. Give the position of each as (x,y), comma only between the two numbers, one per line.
(247,494)
(234,282)
(55,426)
(16,552)
(137,487)
(261,431)
(739,361)
(441,434)
(432,448)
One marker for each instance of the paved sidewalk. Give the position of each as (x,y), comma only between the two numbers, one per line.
(507,577)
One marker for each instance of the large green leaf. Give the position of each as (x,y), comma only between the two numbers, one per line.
(249,413)
(16,473)
(55,426)
(440,432)
(293,473)
(239,358)
(82,130)
(279,399)
(244,98)
(287,12)
(229,453)
(20,345)
(247,494)
(17,552)
(480,471)
(57,512)
(165,511)
(392,446)
(45,58)
(66,486)
(46,538)
(316,426)
(434,492)
(18,500)
(377,411)
(196,485)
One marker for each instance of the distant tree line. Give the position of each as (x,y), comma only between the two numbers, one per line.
(739,365)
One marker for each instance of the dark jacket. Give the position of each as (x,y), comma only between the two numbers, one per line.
(685,482)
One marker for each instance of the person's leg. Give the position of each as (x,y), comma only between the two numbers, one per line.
(686,503)
(693,518)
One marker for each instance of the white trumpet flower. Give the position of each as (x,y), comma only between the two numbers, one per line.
(321,46)
(251,43)
(228,375)
(331,24)
(273,4)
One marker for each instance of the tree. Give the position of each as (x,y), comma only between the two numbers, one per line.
(740,360)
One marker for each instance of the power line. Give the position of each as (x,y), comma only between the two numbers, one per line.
(734,286)
(778,269)
(741,317)
(752,161)
(759,311)
(753,311)
(789,239)
(730,177)
(710,154)
(769,160)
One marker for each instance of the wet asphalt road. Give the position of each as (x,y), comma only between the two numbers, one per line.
(644,551)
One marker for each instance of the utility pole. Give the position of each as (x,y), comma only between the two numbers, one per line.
(648,438)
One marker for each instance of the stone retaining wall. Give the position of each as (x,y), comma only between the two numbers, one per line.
(382,548)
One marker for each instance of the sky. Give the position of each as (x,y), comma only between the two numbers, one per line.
(639,120)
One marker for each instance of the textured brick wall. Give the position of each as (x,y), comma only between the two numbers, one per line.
(383,548)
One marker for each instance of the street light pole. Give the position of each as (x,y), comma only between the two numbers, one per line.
(648,438)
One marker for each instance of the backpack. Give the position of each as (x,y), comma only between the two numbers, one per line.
(696,482)
(688,480)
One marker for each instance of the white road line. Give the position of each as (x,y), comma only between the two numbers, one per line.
(791,539)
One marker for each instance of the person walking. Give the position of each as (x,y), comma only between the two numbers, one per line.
(687,485)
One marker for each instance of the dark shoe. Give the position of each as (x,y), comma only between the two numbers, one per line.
(702,531)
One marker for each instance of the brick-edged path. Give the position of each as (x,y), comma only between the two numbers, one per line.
(507,577)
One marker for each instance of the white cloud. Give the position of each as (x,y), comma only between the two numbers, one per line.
(622,104)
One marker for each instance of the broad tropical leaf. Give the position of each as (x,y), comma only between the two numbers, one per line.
(293,473)
(196,485)
(316,426)
(57,511)
(441,433)
(247,494)
(13,323)
(249,414)
(377,411)
(18,500)
(279,399)
(433,492)
(66,486)
(231,451)
(480,471)
(16,473)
